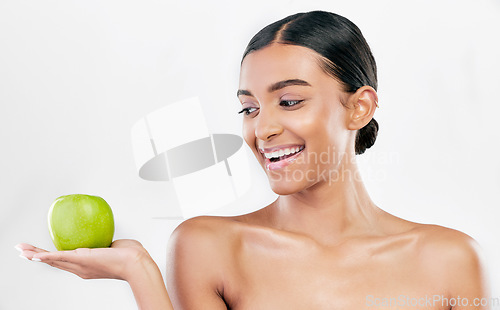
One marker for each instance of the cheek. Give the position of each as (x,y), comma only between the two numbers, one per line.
(312,125)
(248,134)
(324,129)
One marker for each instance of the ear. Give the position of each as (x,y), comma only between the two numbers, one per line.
(363,102)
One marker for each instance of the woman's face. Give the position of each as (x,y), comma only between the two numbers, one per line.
(291,106)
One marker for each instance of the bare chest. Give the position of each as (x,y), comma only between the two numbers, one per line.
(288,275)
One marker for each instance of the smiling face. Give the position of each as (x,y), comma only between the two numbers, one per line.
(291,106)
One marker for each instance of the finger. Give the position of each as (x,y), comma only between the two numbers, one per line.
(28,247)
(27,250)
(67,266)
(121,243)
(61,259)
(57,256)
(68,261)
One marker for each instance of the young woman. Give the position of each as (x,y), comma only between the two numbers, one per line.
(308,94)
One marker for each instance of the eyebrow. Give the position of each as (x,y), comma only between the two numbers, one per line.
(276,86)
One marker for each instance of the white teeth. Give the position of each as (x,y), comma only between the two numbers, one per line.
(279,153)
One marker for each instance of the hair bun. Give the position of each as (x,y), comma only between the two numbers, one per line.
(366,137)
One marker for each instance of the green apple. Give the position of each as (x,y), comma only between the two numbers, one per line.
(81,221)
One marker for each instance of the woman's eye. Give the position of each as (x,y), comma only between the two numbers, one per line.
(247,111)
(289,103)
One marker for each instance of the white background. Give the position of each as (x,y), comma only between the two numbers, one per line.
(76,75)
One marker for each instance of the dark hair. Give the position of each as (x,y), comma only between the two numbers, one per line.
(346,55)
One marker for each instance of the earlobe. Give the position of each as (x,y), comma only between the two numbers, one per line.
(363,102)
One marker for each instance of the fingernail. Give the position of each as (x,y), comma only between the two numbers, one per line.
(18,248)
(36,259)
(22,256)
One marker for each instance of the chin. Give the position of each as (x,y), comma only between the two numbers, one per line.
(284,187)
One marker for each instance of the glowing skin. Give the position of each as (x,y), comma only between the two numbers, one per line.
(316,121)
(323,244)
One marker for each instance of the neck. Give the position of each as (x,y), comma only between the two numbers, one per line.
(329,212)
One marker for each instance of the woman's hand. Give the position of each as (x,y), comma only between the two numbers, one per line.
(116,262)
(125,260)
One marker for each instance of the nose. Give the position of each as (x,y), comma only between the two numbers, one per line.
(267,125)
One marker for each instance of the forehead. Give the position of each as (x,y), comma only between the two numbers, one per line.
(278,62)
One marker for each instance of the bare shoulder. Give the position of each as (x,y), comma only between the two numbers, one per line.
(213,241)
(202,223)
(203,233)
(198,262)
(450,253)
(446,242)
(434,241)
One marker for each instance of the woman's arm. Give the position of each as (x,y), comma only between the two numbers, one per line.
(148,286)
(198,262)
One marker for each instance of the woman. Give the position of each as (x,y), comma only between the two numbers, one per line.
(308,93)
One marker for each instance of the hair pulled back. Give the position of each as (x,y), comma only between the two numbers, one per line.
(345,53)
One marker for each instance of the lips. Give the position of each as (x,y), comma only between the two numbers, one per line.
(282,156)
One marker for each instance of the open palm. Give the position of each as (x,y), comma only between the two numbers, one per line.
(99,263)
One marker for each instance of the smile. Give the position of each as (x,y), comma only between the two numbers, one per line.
(278,158)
